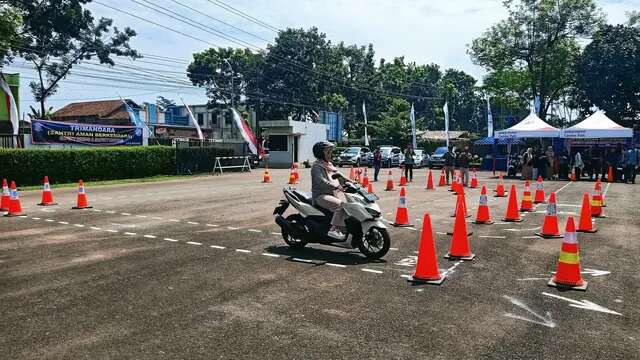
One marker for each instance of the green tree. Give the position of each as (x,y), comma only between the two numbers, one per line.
(10,21)
(459,90)
(230,76)
(608,74)
(60,34)
(394,124)
(541,38)
(163,103)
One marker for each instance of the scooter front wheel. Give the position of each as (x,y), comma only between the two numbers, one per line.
(375,243)
(297,221)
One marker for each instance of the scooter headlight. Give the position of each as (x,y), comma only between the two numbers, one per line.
(375,213)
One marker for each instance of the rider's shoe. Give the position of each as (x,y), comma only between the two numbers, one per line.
(337,234)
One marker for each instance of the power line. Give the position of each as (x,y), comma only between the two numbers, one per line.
(244,15)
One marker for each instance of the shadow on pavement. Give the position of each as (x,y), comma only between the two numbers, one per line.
(320,256)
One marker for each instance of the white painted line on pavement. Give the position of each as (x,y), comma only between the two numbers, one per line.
(130,234)
(336,265)
(243,250)
(271,255)
(174,220)
(441,233)
(394,249)
(78,225)
(49,220)
(63,222)
(170,239)
(141,216)
(372,271)
(254,230)
(217,247)
(302,260)
(35,218)
(125,214)
(193,243)
(492,237)
(193,223)
(156,218)
(529,237)
(112,231)
(406,276)
(232,228)
(95,228)
(565,185)
(110,212)
(150,236)
(213,225)
(96,210)
(276,233)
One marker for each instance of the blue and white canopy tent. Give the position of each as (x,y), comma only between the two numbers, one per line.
(531,127)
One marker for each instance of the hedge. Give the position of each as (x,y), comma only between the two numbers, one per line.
(29,166)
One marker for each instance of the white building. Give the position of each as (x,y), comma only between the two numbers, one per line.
(292,141)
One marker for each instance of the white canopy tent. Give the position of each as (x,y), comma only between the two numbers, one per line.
(531,127)
(597,126)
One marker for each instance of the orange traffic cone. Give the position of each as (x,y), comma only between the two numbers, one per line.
(512,214)
(427,270)
(454,181)
(402,214)
(459,248)
(352,174)
(461,201)
(365,178)
(6,196)
(47,196)
(15,209)
(295,172)
(539,198)
(266,178)
(483,216)
(403,179)
(500,187)
(586,222)
(610,174)
(567,274)
(527,201)
(474,180)
(596,204)
(429,181)
(389,182)
(573,174)
(550,226)
(443,180)
(370,188)
(292,178)
(82,202)
(599,187)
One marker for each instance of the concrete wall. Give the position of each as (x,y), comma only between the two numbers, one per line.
(307,133)
(311,134)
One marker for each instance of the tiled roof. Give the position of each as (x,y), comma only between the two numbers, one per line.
(108,109)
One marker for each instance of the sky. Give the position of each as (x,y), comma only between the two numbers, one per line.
(424,31)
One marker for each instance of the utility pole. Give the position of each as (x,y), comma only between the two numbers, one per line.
(233,92)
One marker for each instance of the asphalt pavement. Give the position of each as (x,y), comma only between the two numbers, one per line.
(197,269)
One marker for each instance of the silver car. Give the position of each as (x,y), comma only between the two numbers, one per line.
(355,156)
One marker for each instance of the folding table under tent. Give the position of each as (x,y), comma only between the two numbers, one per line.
(531,127)
(596,126)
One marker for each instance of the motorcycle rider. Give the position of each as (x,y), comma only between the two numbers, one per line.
(324,189)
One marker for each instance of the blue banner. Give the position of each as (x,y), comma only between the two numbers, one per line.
(54,132)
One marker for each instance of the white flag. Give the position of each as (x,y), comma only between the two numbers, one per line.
(446,121)
(489,119)
(413,127)
(364,113)
(135,119)
(193,120)
(13,107)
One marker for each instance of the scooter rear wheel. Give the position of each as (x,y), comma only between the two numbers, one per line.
(375,243)
(296,220)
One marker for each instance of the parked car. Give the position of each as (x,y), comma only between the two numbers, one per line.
(391,156)
(437,158)
(354,156)
(419,160)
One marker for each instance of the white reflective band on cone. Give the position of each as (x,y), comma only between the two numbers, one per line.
(571,238)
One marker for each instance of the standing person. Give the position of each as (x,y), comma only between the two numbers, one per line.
(535,171)
(595,159)
(550,156)
(449,162)
(620,166)
(563,164)
(610,161)
(578,164)
(463,162)
(409,161)
(527,159)
(377,163)
(631,163)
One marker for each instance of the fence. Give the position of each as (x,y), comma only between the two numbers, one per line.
(7,140)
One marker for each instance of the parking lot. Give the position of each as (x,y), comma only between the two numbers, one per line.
(197,268)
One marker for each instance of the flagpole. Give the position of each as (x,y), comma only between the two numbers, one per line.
(364,113)
(413,127)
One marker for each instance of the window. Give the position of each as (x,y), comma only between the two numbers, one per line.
(278,143)
(200,119)
(214,120)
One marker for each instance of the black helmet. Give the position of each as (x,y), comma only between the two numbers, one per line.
(318,149)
